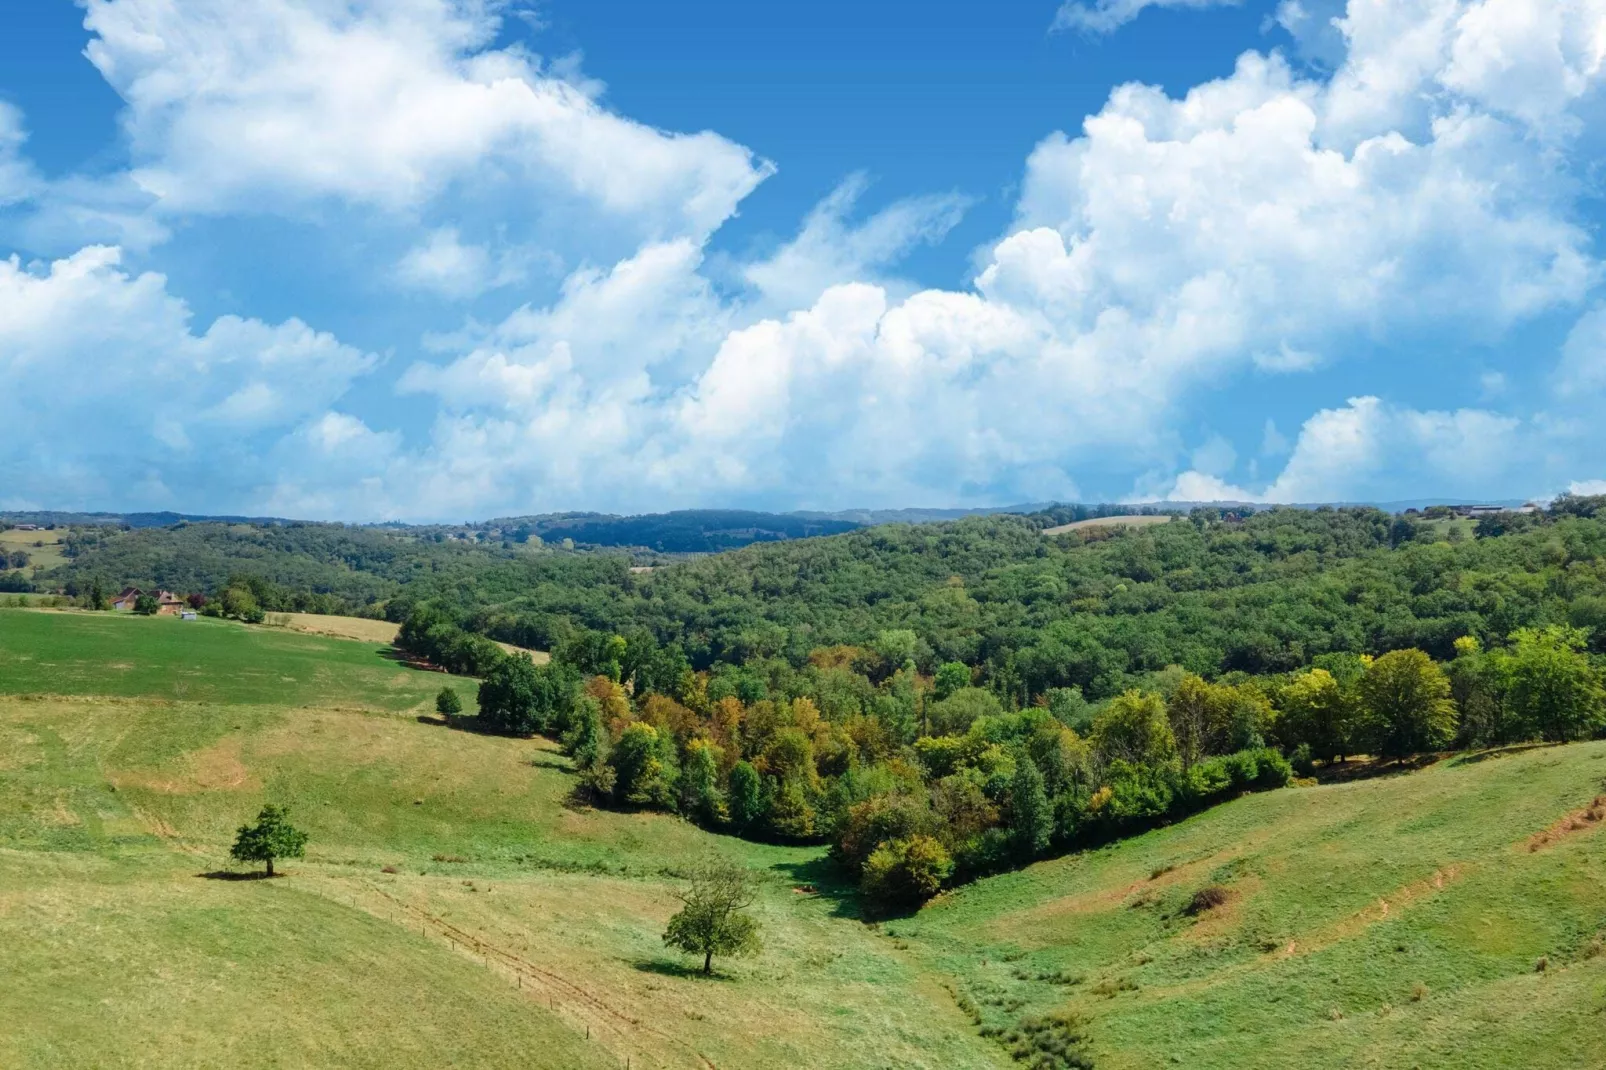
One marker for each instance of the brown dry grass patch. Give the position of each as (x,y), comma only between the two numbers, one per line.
(1131,521)
(1142,890)
(359,628)
(215,768)
(1401,898)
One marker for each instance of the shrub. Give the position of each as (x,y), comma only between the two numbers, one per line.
(905,872)
(1051,1042)
(447,703)
(874,821)
(1206,899)
(240,603)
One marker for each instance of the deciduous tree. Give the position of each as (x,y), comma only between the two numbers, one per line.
(1133,728)
(1554,692)
(712,919)
(1407,704)
(1316,712)
(271,837)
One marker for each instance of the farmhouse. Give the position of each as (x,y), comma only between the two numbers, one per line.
(126,600)
(169,604)
(1478,512)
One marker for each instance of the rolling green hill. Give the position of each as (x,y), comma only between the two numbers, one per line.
(455,910)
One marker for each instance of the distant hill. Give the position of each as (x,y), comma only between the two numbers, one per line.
(691,531)
(68,519)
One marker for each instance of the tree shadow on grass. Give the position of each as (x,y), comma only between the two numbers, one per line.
(822,879)
(1473,757)
(412,661)
(551,760)
(670,968)
(1375,768)
(235,875)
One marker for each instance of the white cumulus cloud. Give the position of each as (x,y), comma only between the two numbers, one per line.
(1260,225)
(1369,451)
(108,389)
(271,104)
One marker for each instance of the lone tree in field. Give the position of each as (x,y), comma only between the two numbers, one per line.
(271,837)
(447,702)
(711,921)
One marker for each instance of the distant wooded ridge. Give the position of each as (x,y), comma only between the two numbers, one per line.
(705,525)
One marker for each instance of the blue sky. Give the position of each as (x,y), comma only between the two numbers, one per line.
(447,258)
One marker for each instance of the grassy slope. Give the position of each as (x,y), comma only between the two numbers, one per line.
(512,924)
(511,927)
(47,556)
(80,653)
(1345,900)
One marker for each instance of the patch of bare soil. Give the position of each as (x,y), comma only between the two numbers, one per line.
(1580,820)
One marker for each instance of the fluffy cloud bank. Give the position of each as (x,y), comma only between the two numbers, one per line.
(1265,222)
(112,398)
(1341,453)
(383,103)
(1259,226)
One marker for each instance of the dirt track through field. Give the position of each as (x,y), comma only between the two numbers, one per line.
(573,1000)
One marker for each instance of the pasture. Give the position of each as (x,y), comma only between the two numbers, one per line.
(455,908)
(44,548)
(1454,917)
(1133,521)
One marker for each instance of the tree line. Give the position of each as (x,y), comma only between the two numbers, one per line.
(949,699)
(922,780)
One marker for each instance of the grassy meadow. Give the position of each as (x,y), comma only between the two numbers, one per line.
(1452,917)
(455,910)
(365,629)
(509,924)
(44,548)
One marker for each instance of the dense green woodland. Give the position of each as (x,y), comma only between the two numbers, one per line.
(945,702)
(319,568)
(1094,609)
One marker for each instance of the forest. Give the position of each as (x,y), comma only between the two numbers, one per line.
(944,702)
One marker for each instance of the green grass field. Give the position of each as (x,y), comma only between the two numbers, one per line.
(82,653)
(1389,922)
(42,547)
(454,910)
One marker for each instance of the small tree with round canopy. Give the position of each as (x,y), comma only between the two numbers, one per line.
(271,837)
(711,919)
